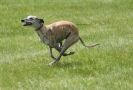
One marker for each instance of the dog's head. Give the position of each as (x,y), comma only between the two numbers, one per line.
(32,21)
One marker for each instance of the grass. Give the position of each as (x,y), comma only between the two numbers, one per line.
(23,59)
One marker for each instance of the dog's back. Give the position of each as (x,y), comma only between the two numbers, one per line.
(62,29)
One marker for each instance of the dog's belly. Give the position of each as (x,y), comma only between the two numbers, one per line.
(59,38)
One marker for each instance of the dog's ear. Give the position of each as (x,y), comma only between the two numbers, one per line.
(41,20)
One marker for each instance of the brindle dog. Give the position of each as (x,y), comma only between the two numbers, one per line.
(53,35)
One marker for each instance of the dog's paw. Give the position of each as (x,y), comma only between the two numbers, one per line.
(51,63)
(70,53)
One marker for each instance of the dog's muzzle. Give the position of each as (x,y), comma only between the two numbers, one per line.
(26,23)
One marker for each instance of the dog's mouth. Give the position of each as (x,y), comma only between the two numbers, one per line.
(27,23)
(24,23)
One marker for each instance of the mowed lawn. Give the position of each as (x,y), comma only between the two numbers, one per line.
(24,59)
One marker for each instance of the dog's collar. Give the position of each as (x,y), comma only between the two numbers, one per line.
(37,29)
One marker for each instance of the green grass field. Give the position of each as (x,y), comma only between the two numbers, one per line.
(24,59)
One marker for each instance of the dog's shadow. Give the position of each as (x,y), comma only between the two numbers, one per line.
(67,64)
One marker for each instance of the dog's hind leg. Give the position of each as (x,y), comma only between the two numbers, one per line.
(58,48)
(68,42)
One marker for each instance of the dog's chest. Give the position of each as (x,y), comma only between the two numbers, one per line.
(45,40)
(43,37)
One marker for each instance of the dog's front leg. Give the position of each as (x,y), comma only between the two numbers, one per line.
(62,51)
(51,53)
(56,60)
(58,48)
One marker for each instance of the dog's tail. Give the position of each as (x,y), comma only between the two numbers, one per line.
(89,46)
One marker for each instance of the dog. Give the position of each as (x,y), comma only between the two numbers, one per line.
(54,34)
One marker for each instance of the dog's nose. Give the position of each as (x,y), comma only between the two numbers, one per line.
(22,20)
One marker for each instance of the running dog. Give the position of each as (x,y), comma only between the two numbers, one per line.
(53,35)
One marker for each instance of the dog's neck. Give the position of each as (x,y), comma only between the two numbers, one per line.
(42,33)
(38,28)
(42,29)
